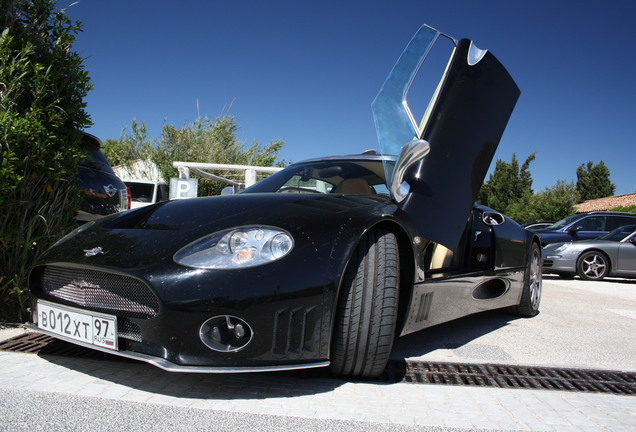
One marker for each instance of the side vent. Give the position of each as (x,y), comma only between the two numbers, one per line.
(294,332)
(425,307)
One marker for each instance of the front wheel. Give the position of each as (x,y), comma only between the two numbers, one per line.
(367,308)
(532,285)
(592,266)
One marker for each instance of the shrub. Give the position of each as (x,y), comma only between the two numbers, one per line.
(42,86)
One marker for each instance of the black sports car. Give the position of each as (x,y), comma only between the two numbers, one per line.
(323,263)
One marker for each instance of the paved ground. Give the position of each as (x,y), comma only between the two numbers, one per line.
(582,324)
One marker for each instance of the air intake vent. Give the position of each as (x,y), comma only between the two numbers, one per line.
(293,334)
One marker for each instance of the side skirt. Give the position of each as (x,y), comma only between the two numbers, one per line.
(439,300)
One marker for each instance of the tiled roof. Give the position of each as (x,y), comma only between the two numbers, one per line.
(606,203)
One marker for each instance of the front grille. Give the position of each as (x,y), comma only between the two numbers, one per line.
(547,263)
(128,330)
(101,291)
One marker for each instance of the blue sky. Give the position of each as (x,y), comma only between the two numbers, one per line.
(306,72)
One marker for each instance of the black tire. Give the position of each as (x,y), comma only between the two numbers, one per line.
(592,265)
(367,308)
(532,285)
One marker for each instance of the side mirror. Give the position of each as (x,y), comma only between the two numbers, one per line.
(411,154)
(574,230)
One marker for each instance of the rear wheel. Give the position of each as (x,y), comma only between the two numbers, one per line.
(532,285)
(592,265)
(367,308)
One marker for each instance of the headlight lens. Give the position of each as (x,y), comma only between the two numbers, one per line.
(563,247)
(240,247)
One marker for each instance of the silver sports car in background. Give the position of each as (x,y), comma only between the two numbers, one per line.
(612,254)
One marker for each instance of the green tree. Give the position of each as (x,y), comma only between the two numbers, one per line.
(213,142)
(131,146)
(508,184)
(628,209)
(42,88)
(593,181)
(553,203)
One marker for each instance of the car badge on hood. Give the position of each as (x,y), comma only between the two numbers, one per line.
(92,252)
(110,190)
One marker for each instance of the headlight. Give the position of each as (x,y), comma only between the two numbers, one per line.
(246,246)
(563,247)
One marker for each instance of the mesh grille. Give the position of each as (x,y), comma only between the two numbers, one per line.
(107,292)
(128,330)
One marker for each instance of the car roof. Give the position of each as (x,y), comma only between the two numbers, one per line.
(605,213)
(91,141)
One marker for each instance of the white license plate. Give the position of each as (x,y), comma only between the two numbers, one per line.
(84,326)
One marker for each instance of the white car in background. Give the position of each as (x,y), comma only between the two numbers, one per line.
(143,193)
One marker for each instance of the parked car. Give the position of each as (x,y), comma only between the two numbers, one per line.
(584,226)
(143,193)
(104,192)
(320,264)
(612,254)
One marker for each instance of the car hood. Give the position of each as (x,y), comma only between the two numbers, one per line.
(549,231)
(578,244)
(151,235)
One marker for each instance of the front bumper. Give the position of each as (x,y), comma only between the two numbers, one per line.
(173,367)
(288,330)
(559,265)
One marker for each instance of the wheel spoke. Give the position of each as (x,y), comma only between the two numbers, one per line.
(594,266)
(535,281)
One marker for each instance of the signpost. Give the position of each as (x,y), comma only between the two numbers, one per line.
(181,188)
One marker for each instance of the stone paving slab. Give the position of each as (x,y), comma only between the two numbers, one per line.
(312,398)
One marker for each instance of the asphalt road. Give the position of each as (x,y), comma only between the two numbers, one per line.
(37,411)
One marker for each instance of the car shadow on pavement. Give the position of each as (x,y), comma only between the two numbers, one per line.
(454,335)
(132,375)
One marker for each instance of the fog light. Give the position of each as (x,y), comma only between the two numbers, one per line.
(225,333)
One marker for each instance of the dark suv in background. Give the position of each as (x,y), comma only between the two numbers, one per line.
(584,226)
(104,192)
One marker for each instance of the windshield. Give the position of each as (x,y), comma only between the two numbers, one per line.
(141,192)
(354,176)
(563,222)
(96,160)
(619,233)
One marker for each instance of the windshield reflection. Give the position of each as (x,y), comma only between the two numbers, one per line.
(619,234)
(356,177)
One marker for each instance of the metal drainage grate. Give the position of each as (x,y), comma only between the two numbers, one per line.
(413,372)
(37,343)
(512,376)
